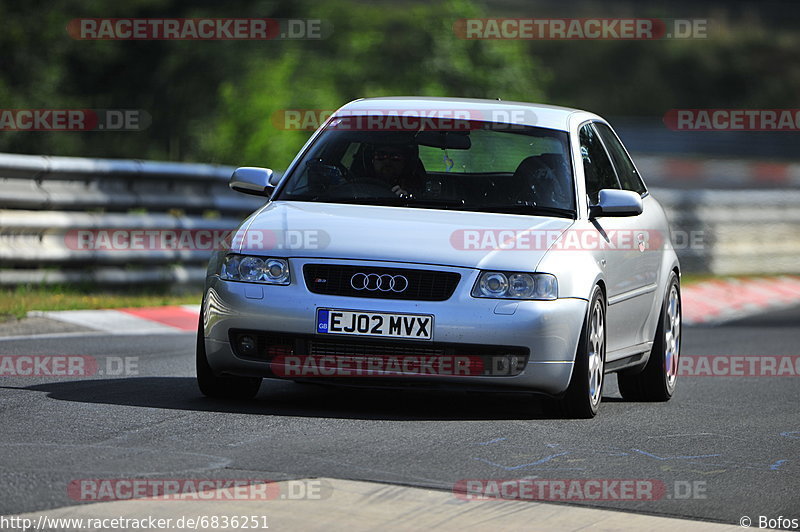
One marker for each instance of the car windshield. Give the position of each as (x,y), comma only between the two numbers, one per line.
(472,166)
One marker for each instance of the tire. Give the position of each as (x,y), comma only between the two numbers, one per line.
(656,382)
(585,392)
(218,387)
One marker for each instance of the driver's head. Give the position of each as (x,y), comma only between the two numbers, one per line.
(390,160)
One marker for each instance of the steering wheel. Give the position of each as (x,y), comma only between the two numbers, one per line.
(328,172)
(323,174)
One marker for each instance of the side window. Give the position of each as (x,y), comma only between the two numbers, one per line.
(596,164)
(628,177)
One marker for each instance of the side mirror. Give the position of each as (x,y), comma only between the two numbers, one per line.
(616,203)
(251,180)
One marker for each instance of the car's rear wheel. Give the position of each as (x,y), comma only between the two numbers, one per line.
(585,392)
(656,382)
(222,387)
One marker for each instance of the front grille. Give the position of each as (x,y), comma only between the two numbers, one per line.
(271,345)
(364,349)
(422,285)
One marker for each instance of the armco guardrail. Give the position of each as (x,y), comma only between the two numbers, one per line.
(44,200)
(734,232)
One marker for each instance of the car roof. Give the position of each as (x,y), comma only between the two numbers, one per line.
(517,113)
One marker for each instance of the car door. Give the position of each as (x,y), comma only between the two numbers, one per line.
(627,280)
(647,224)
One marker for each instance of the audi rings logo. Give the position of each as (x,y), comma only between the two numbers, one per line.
(374,282)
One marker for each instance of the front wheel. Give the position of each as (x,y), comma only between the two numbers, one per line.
(220,387)
(585,391)
(656,382)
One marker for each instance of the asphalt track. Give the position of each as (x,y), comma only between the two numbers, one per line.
(734,440)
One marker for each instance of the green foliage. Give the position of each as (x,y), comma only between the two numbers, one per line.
(375,50)
(215,101)
(735,67)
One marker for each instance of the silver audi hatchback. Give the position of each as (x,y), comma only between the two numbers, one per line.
(443,242)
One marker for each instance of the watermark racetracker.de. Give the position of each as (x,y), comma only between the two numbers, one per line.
(288,365)
(71,120)
(198,29)
(210,239)
(492,239)
(739,366)
(68,366)
(733,119)
(401,119)
(578,489)
(581,28)
(193,489)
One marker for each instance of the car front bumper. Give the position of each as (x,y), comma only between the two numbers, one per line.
(548,330)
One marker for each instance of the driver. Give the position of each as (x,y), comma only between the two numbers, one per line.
(395,165)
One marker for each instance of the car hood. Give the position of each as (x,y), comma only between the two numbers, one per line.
(398,234)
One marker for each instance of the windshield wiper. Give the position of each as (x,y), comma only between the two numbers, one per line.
(371,200)
(527,208)
(395,201)
(427,202)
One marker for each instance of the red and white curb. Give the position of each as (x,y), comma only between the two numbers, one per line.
(708,302)
(147,320)
(721,300)
(718,172)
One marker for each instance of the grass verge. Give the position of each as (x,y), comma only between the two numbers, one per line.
(17,301)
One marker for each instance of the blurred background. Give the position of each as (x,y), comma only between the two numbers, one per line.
(213,102)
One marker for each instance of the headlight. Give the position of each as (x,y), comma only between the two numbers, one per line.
(492,284)
(255,269)
(511,285)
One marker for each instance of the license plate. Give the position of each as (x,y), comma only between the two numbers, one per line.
(381,324)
